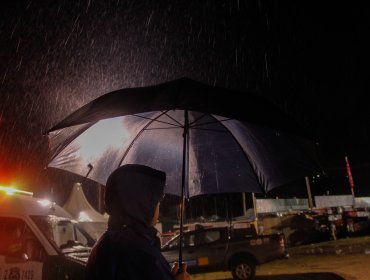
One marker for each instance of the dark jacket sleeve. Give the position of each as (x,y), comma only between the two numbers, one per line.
(122,257)
(99,264)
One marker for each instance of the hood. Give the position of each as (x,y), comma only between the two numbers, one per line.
(132,193)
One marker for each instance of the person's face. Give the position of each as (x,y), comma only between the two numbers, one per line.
(156,214)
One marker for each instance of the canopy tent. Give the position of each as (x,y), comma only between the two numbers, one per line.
(81,210)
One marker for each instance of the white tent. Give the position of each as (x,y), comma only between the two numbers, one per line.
(81,210)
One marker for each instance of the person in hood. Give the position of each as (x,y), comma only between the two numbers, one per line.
(130,248)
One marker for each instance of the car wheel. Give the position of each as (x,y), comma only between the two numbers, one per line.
(243,269)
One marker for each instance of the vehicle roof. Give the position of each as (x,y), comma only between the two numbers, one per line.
(17,204)
(218,227)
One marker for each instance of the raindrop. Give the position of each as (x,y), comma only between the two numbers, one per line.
(266,65)
(267,21)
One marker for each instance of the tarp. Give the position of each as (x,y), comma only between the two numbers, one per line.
(265,205)
(323,201)
(81,210)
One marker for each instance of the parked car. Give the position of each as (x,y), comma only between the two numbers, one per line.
(239,250)
(39,239)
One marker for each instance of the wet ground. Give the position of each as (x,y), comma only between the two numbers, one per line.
(337,260)
(348,267)
(298,276)
(302,276)
(354,267)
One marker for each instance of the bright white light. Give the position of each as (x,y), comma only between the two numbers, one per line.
(44,202)
(84,217)
(105,134)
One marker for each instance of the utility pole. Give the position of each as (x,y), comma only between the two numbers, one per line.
(350,181)
(308,186)
(244,205)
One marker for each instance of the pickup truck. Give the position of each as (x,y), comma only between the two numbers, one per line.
(239,250)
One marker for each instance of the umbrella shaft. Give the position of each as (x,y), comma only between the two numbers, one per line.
(183,181)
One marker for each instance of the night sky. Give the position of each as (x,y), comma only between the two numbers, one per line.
(308,58)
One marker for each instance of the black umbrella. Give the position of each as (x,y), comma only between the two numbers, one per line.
(207,139)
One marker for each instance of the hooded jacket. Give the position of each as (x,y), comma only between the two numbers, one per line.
(130,248)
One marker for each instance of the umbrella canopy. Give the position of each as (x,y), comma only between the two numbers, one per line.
(207,139)
(234,141)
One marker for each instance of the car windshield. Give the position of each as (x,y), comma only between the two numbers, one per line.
(63,233)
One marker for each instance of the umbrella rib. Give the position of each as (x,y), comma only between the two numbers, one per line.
(218,121)
(176,121)
(139,134)
(195,125)
(158,128)
(197,119)
(155,119)
(241,148)
(206,123)
(210,129)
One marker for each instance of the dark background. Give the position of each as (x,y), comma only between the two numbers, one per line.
(308,57)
